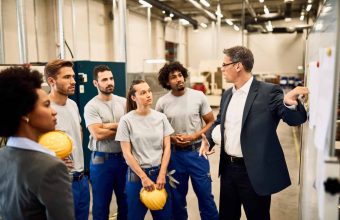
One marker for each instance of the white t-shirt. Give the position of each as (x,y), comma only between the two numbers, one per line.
(68,120)
(97,111)
(184,112)
(146,135)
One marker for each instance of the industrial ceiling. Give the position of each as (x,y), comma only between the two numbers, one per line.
(250,14)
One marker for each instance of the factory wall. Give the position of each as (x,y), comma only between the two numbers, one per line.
(274,53)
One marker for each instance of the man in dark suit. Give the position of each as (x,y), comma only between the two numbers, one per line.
(252,164)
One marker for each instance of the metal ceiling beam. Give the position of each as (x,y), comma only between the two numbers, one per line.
(177,13)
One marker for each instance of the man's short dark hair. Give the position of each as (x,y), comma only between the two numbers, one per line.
(241,54)
(167,69)
(18,93)
(98,69)
(52,68)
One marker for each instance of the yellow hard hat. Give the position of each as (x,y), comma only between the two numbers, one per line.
(154,200)
(57,141)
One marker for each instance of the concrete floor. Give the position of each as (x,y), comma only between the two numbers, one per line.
(284,204)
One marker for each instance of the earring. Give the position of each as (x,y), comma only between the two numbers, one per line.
(27,119)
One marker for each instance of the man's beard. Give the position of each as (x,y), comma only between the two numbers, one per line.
(105,91)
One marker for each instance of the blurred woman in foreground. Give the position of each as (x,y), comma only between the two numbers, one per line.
(34,184)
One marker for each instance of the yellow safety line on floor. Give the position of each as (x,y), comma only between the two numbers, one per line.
(297,145)
(114,216)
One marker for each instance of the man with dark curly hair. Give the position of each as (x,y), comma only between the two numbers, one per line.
(34,184)
(186,110)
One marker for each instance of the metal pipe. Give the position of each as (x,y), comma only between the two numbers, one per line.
(36,29)
(250,9)
(115,30)
(61,29)
(243,19)
(122,29)
(88,27)
(2,45)
(149,33)
(74,33)
(21,32)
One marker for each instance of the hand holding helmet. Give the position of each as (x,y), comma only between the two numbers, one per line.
(153,200)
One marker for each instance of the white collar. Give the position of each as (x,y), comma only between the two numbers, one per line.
(27,144)
(246,87)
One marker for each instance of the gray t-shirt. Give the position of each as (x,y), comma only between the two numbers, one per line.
(184,112)
(68,120)
(98,111)
(146,134)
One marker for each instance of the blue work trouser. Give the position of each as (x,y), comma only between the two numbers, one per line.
(81,195)
(188,163)
(107,174)
(138,209)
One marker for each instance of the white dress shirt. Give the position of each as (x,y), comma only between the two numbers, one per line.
(233,120)
(27,144)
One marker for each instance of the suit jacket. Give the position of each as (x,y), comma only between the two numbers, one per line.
(261,149)
(34,185)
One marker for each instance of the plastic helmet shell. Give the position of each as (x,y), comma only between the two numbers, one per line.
(57,141)
(154,200)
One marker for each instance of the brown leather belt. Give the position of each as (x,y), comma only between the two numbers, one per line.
(190,147)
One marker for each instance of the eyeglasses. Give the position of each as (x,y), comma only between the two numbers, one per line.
(227,64)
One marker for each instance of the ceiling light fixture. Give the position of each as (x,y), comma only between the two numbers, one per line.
(184,22)
(266,10)
(236,28)
(196,4)
(145,4)
(309,7)
(261,1)
(204,25)
(269,26)
(228,21)
(205,3)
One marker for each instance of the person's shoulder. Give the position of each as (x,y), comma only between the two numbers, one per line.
(119,99)
(71,101)
(127,116)
(167,94)
(39,157)
(92,102)
(268,86)
(164,98)
(157,114)
(193,91)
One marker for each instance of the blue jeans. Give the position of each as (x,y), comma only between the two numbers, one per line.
(138,209)
(188,163)
(107,174)
(81,196)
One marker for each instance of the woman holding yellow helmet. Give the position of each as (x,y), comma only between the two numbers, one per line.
(34,184)
(144,135)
